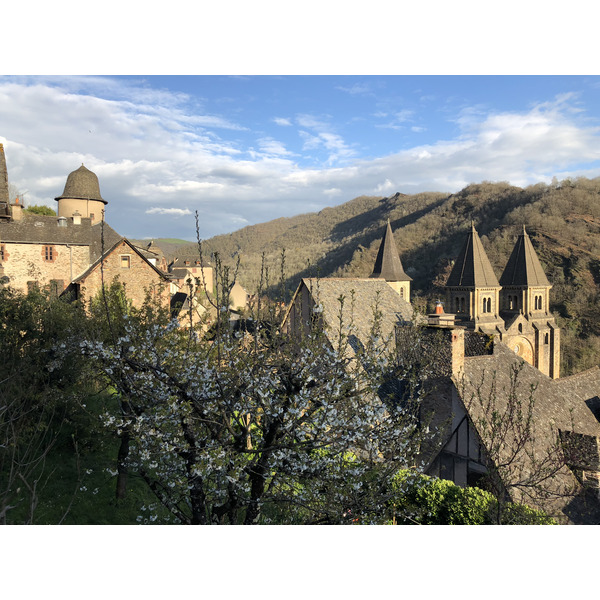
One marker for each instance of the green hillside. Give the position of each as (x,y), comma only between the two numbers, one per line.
(563,220)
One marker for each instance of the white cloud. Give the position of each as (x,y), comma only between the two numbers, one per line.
(155,152)
(178,212)
(270,146)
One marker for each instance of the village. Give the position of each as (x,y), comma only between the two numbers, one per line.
(491,330)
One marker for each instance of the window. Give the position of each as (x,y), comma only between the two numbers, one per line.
(92,217)
(125,261)
(3,253)
(487,305)
(538,303)
(49,253)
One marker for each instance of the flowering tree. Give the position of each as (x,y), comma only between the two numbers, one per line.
(252,424)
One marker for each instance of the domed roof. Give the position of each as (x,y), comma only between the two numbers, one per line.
(82,184)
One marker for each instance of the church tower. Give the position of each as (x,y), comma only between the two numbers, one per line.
(81,196)
(388,265)
(472,289)
(531,330)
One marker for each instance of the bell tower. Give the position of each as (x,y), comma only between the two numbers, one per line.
(472,289)
(531,329)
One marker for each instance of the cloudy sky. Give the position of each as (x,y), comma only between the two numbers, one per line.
(246,149)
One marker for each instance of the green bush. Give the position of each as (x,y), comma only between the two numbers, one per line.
(423,500)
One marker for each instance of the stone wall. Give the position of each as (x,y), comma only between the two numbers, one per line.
(25,263)
(130,269)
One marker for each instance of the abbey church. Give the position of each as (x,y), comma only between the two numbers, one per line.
(500,345)
(515,309)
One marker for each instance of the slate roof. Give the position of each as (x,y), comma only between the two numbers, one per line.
(82,184)
(523,267)
(472,267)
(360,298)
(561,404)
(3,177)
(38,229)
(387,264)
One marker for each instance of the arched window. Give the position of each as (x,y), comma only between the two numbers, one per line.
(462,304)
(520,327)
(489,305)
(457,305)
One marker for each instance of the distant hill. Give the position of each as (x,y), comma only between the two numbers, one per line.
(563,220)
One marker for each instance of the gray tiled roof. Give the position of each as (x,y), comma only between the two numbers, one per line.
(472,267)
(361,296)
(37,229)
(3,177)
(388,265)
(523,267)
(559,405)
(82,183)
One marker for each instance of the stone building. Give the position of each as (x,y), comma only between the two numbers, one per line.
(497,352)
(67,251)
(515,309)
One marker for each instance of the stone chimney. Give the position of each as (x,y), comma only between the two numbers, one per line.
(16,209)
(76,218)
(458,352)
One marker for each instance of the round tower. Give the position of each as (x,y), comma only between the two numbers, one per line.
(82,195)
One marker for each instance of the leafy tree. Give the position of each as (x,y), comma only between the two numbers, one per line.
(33,392)
(253,424)
(40,209)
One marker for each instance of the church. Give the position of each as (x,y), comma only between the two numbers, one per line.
(500,353)
(515,308)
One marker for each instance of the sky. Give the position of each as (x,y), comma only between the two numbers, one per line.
(242,150)
(246,112)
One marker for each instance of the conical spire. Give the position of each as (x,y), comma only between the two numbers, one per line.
(523,268)
(387,264)
(4,197)
(472,267)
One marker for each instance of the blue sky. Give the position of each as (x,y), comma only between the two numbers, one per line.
(247,149)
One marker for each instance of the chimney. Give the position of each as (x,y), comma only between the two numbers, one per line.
(76,218)
(458,352)
(62,221)
(16,210)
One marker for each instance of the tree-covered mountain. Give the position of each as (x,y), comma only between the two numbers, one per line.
(562,219)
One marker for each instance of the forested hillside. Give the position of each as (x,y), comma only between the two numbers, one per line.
(563,220)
